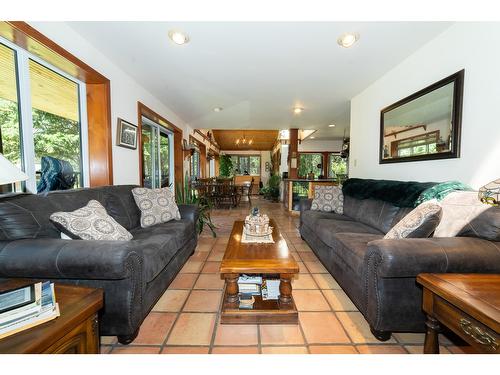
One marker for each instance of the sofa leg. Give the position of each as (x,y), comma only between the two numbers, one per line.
(127,339)
(380,335)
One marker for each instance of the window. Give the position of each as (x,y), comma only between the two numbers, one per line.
(246,164)
(418,145)
(195,165)
(156,150)
(42,113)
(10,133)
(309,163)
(337,166)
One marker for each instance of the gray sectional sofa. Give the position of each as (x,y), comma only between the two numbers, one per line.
(379,275)
(134,274)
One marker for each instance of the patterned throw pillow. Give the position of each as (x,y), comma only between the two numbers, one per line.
(90,222)
(156,205)
(328,199)
(419,223)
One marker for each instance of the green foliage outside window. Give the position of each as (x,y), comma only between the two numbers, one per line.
(337,166)
(245,163)
(53,136)
(309,163)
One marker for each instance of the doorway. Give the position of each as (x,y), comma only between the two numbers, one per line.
(157,155)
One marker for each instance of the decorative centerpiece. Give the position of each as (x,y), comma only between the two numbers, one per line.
(256,228)
(257,224)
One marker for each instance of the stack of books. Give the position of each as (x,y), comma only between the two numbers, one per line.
(271,289)
(249,286)
(26,307)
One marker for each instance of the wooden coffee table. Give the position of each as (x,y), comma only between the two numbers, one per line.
(270,260)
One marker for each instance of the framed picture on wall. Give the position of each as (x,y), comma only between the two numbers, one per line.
(126,134)
(425,125)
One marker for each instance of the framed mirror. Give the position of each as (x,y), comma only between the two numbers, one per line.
(425,125)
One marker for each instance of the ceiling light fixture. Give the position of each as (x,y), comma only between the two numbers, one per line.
(348,39)
(331,125)
(312,137)
(297,110)
(178,37)
(243,141)
(217,109)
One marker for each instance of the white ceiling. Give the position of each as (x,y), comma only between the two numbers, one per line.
(258,71)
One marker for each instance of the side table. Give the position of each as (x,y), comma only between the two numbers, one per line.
(76,331)
(468,304)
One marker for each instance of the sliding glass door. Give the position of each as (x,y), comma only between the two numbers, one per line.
(42,117)
(157,148)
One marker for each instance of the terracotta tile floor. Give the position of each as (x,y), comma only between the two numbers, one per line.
(186,318)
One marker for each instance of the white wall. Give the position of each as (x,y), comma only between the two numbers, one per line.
(473,46)
(321,145)
(125,93)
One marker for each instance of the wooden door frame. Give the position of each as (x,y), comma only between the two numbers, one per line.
(144,110)
(203,156)
(98,89)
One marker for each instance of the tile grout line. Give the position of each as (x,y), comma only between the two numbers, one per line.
(184,303)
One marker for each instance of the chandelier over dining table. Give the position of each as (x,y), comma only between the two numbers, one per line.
(243,141)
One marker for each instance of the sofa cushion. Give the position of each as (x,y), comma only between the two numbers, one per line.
(351,248)
(464,215)
(25,216)
(328,199)
(119,202)
(179,230)
(160,244)
(90,222)
(419,223)
(327,229)
(310,218)
(375,213)
(156,205)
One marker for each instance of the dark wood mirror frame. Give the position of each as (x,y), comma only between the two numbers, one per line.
(456,118)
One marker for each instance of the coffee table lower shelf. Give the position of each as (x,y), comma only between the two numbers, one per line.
(263,312)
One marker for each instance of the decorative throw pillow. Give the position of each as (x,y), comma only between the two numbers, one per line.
(90,222)
(328,199)
(419,223)
(156,205)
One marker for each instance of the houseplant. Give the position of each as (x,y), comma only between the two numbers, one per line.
(185,196)
(225,166)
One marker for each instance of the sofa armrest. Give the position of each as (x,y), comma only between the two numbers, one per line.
(305,204)
(189,212)
(410,256)
(69,259)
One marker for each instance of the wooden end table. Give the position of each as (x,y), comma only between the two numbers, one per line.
(270,260)
(76,331)
(468,304)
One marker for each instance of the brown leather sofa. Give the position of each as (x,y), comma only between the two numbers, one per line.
(379,275)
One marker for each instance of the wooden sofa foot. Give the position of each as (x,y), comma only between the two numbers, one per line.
(380,335)
(127,339)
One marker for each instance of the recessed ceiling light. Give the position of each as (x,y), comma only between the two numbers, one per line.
(178,37)
(348,39)
(297,110)
(331,125)
(217,109)
(312,137)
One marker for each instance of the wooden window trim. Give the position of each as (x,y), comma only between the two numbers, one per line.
(203,156)
(143,110)
(98,94)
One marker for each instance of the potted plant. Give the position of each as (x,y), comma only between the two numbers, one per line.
(185,196)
